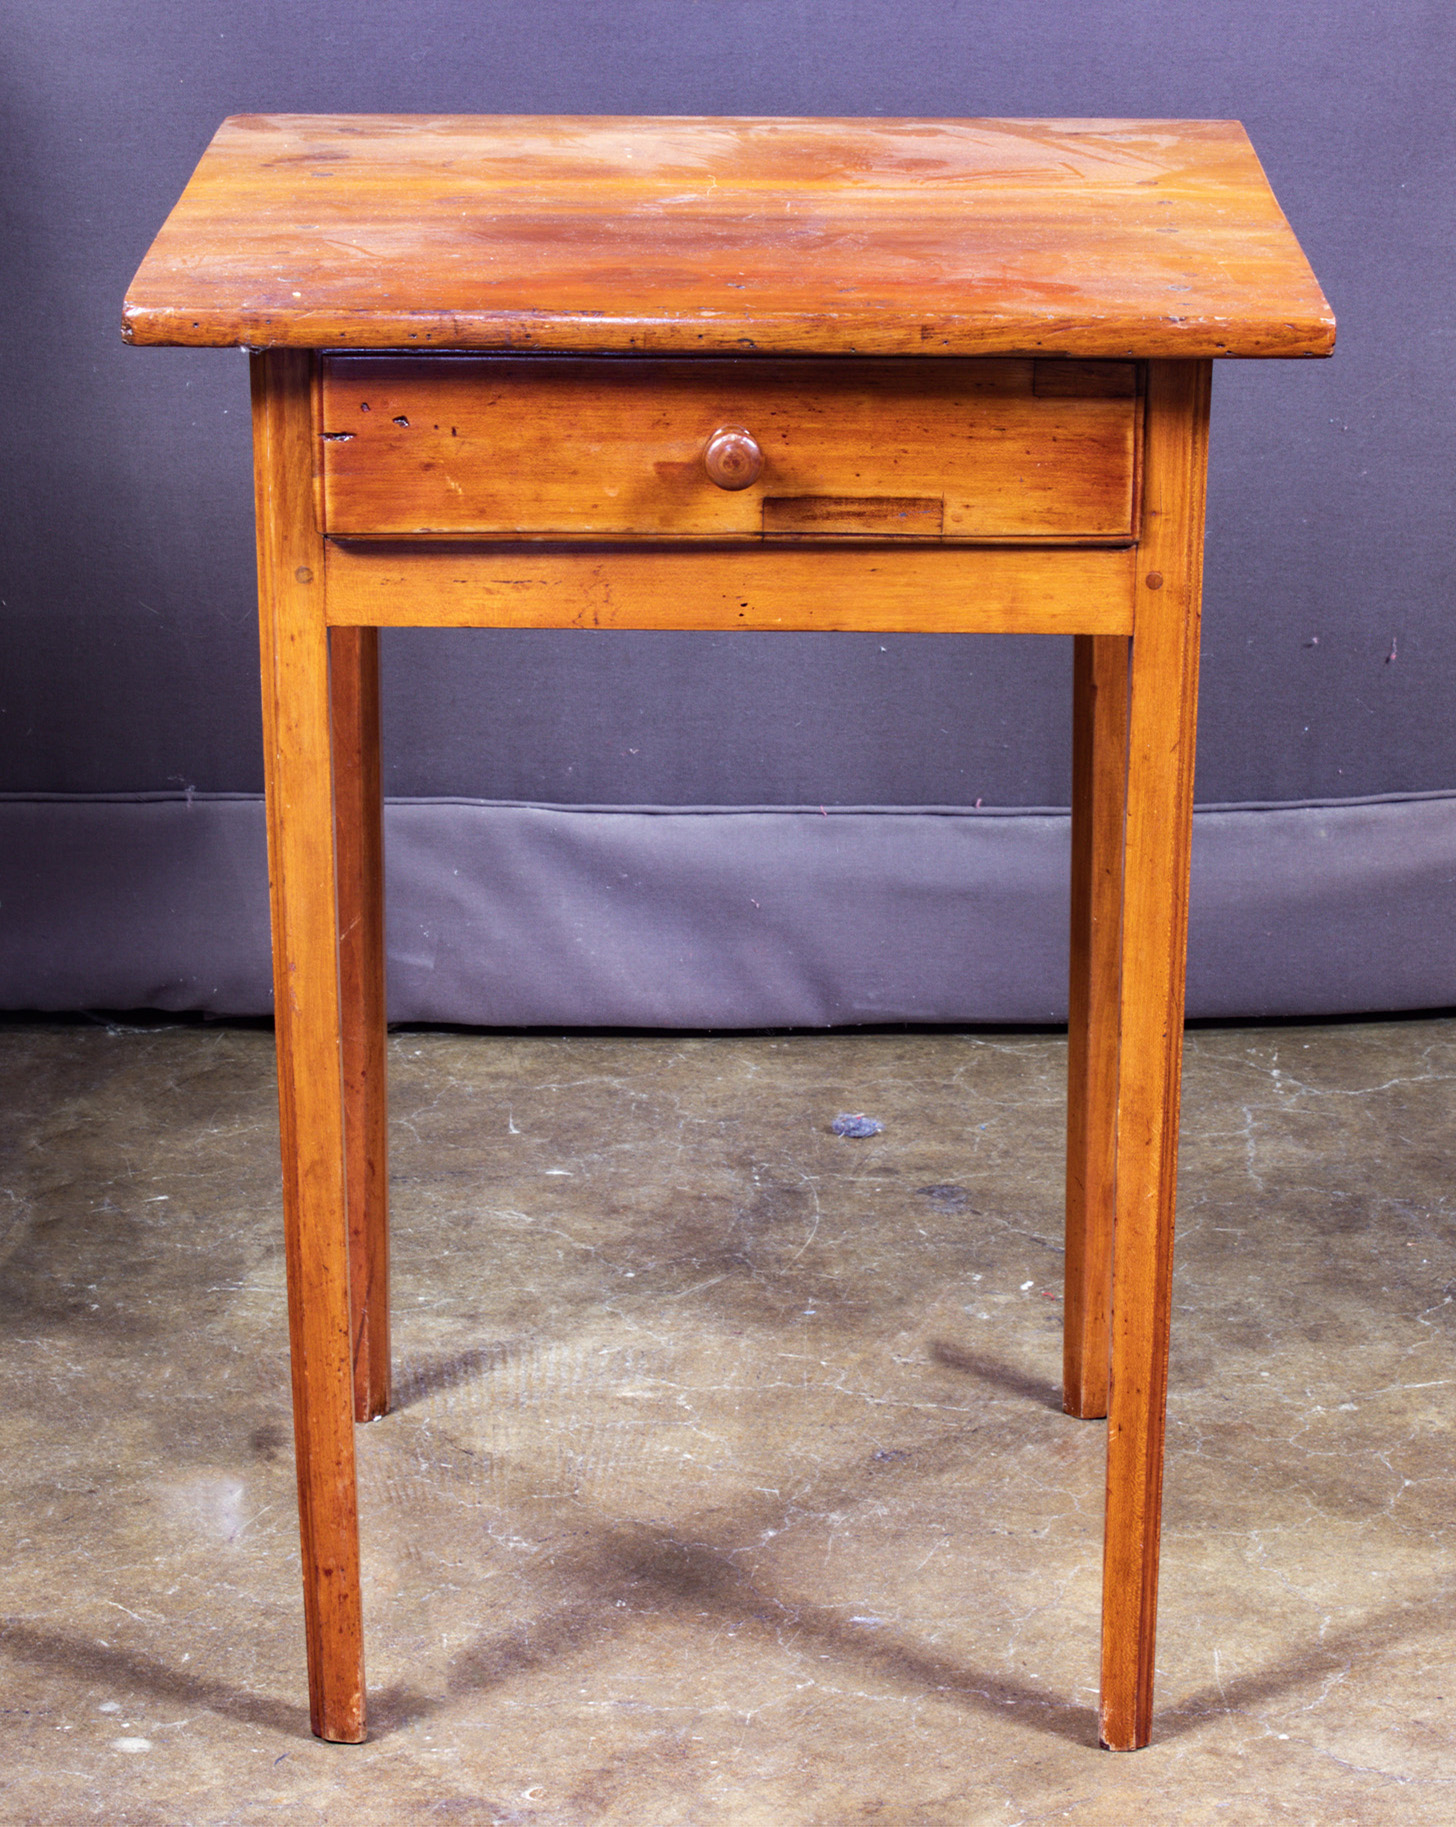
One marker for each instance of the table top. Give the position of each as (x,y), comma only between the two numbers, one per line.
(1084,238)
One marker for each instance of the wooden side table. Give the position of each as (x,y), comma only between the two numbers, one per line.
(802,374)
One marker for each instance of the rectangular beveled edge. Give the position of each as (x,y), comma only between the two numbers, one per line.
(258,251)
(802,589)
(853,516)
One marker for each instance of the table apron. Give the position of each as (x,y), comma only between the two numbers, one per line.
(883,590)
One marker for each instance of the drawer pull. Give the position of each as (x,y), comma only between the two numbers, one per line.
(733,459)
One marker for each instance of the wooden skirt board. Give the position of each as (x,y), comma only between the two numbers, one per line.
(935,588)
(579,373)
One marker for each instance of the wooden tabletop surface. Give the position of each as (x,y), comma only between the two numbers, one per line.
(888,237)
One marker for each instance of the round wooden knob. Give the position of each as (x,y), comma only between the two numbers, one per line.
(733,459)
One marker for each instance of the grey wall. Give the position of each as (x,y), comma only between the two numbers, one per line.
(127,644)
(128,657)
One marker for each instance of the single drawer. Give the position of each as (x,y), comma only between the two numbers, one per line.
(720,449)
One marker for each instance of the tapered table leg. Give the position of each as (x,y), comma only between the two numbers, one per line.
(296,714)
(359,856)
(1162,719)
(1099,774)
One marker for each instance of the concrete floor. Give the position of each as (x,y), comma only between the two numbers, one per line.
(728,1481)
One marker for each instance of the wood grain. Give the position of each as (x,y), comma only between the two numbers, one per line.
(918,588)
(1161,726)
(1084,238)
(359,861)
(296,714)
(1099,783)
(554,446)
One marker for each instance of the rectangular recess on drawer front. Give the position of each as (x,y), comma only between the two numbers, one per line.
(612,447)
(861,517)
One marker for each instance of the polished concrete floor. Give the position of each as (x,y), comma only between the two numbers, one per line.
(728,1481)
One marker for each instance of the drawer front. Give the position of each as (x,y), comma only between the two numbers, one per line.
(602,448)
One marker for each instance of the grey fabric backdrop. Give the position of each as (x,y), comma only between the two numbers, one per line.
(548,915)
(128,660)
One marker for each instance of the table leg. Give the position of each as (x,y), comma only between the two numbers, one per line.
(359,858)
(296,741)
(1099,775)
(1162,720)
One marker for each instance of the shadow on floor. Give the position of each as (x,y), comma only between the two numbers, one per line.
(1343,1650)
(644,1571)
(993,1370)
(80,1661)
